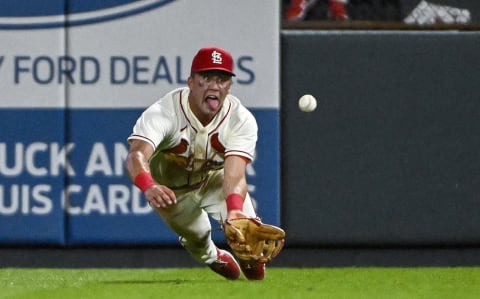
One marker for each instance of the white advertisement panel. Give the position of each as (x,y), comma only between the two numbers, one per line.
(130,54)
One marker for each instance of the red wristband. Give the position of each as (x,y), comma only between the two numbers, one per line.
(234,202)
(144,181)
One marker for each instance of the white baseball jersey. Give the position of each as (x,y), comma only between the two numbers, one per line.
(185,150)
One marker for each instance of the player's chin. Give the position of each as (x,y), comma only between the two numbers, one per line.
(213,112)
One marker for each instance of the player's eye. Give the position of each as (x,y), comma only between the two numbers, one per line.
(219,78)
(223,78)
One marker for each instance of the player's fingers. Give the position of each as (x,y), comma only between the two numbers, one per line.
(169,196)
(165,200)
(160,196)
(156,201)
(159,202)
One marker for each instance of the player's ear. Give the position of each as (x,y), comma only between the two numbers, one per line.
(190,81)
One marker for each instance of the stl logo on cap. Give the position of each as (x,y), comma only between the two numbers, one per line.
(212,58)
(216,57)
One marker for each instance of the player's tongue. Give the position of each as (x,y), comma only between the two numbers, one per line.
(212,102)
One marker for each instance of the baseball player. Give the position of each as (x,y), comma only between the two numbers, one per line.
(188,154)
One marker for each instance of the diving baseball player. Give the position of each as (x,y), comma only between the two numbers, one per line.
(188,154)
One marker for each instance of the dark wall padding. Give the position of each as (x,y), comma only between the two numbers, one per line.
(391,156)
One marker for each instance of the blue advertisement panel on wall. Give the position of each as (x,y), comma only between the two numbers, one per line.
(73,86)
(32,169)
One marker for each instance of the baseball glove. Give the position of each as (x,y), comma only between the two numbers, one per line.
(253,241)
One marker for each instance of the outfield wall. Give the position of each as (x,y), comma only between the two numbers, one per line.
(391,155)
(389,158)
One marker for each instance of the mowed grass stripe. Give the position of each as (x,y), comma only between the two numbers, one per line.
(331,283)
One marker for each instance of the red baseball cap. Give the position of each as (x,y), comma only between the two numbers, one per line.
(212,58)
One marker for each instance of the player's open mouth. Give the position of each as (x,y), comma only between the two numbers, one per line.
(213,102)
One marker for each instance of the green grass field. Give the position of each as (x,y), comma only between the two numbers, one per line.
(282,283)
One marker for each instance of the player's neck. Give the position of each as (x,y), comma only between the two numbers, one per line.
(203,118)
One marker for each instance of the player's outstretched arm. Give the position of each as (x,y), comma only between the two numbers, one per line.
(137,158)
(235,185)
(138,169)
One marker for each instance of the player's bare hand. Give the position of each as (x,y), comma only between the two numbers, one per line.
(160,196)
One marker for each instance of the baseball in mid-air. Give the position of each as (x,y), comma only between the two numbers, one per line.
(307,103)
